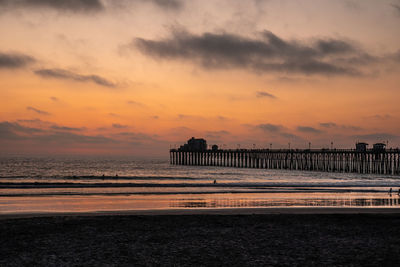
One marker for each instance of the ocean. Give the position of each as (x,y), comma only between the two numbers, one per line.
(90,184)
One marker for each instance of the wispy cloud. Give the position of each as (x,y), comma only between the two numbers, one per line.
(308,129)
(376,137)
(65,128)
(332,125)
(380,117)
(275,129)
(261,94)
(135,103)
(38,111)
(69,75)
(328,124)
(119,126)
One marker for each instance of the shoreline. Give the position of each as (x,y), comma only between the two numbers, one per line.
(228,211)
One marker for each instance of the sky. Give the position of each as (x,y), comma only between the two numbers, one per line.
(138,77)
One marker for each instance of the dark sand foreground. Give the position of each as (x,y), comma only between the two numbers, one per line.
(212,240)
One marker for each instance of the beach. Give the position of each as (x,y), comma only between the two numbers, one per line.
(248,237)
(64,212)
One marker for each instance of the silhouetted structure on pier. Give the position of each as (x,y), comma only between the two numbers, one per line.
(194,144)
(378,160)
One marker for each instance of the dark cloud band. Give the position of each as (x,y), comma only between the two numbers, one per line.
(14,61)
(87,6)
(60,5)
(269,53)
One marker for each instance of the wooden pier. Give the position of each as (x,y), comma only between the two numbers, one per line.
(326,160)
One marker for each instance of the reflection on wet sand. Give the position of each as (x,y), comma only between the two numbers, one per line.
(239,203)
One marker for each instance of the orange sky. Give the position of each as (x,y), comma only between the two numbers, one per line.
(138,77)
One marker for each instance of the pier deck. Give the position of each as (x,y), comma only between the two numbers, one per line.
(328,160)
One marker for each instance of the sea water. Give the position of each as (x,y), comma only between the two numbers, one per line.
(87,184)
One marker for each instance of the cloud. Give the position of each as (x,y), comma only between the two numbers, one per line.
(59,5)
(190,117)
(380,117)
(397,8)
(65,128)
(17,138)
(119,126)
(332,125)
(267,127)
(222,118)
(68,138)
(14,60)
(353,5)
(13,130)
(265,54)
(216,134)
(396,56)
(307,129)
(55,99)
(275,129)
(378,137)
(38,111)
(264,94)
(168,4)
(69,75)
(135,103)
(328,124)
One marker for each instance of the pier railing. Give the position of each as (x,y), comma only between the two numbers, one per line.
(329,160)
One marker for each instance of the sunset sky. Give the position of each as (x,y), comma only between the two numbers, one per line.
(136,77)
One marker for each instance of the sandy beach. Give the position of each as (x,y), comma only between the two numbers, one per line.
(247,237)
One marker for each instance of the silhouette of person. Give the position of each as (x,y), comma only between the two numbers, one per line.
(390,191)
(215,181)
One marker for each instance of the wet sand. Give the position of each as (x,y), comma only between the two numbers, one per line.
(210,211)
(247,237)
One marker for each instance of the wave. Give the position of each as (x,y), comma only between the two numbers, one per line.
(106,177)
(4,185)
(279,191)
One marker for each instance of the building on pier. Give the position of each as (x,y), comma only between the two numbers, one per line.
(379,147)
(361,147)
(194,144)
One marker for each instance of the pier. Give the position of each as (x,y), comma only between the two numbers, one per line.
(366,161)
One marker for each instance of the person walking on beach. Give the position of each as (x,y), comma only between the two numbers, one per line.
(390,191)
(215,181)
